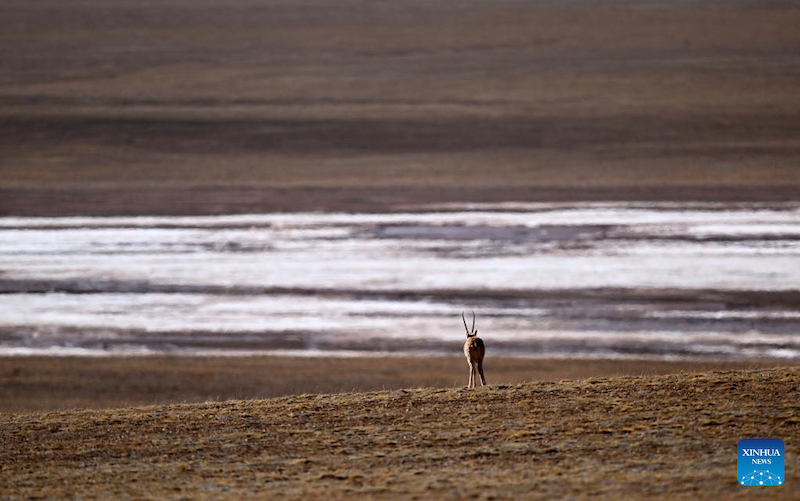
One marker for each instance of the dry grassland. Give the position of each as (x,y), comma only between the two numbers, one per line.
(650,437)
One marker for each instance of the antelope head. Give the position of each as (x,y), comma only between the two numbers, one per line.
(470,332)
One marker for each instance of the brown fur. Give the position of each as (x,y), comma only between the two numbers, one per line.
(474,351)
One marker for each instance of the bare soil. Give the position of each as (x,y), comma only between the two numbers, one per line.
(123,200)
(647,437)
(54,383)
(201,108)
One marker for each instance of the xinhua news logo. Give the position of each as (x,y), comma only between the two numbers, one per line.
(761,461)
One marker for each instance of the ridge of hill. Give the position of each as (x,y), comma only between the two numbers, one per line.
(642,437)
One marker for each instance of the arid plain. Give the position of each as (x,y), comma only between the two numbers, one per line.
(172,107)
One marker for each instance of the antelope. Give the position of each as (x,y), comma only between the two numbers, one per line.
(474,350)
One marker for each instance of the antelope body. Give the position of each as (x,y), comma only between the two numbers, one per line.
(474,350)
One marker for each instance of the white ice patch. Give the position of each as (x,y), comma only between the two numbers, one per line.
(217,313)
(638,213)
(530,247)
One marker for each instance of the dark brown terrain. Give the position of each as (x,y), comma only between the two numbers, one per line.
(199,107)
(54,383)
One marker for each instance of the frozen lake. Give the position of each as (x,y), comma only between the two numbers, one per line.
(589,280)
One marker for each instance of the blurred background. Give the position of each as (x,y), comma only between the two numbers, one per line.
(612,186)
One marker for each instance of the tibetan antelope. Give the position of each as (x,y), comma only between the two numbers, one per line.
(474,350)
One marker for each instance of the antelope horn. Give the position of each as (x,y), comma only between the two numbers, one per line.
(465,322)
(473,321)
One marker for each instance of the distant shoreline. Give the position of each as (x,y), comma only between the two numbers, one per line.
(217,200)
